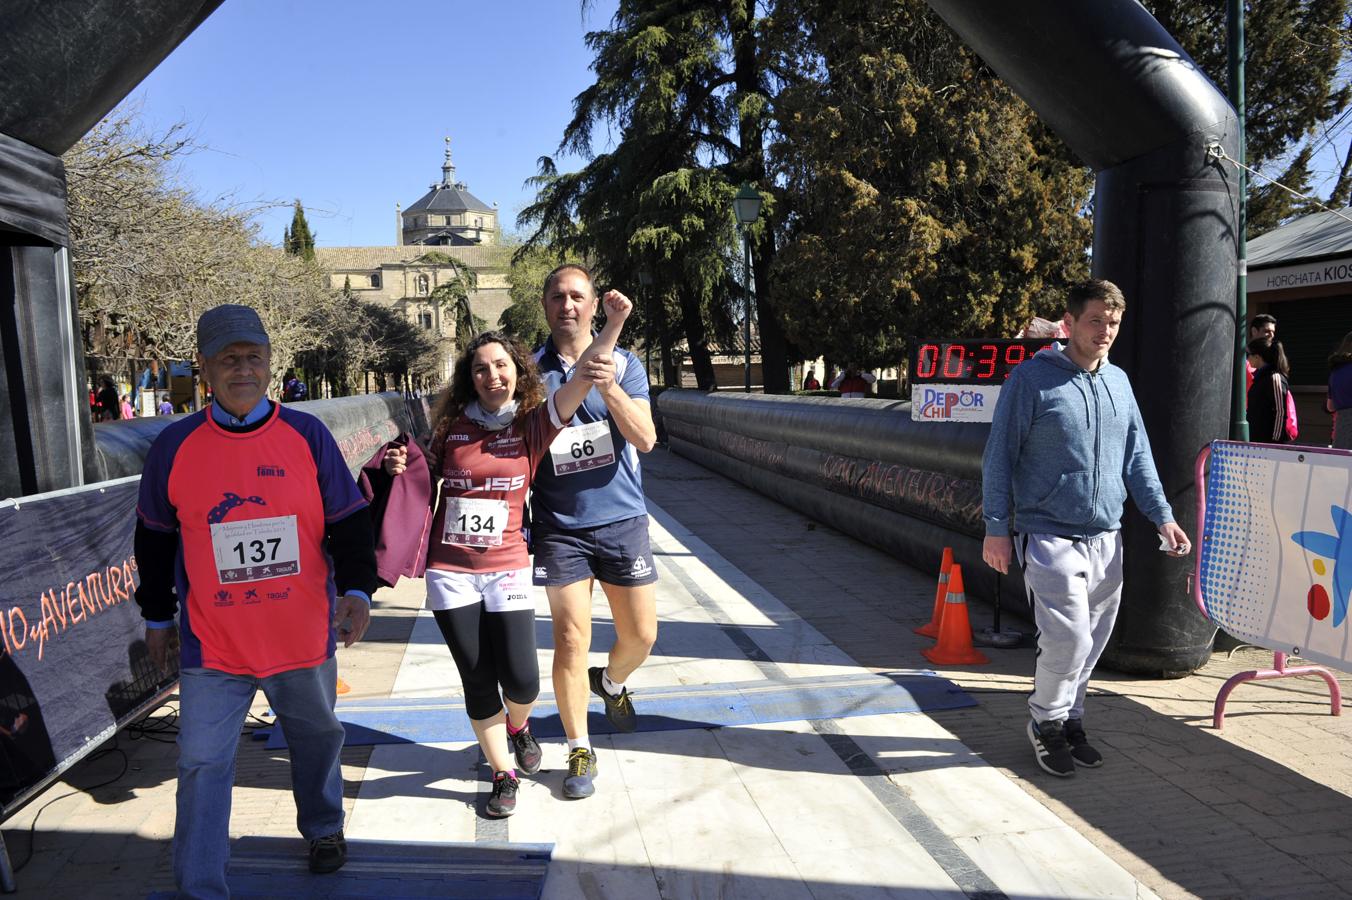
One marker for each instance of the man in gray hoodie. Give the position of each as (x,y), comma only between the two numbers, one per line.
(1066,447)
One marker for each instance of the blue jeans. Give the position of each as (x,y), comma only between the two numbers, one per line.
(212,708)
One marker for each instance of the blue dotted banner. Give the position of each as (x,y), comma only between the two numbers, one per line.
(1275,568)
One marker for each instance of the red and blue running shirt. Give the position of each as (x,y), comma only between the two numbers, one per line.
(485,476)
(254,580)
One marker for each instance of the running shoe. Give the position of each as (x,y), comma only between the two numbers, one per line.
(527,751)
(502,802)
(581,771)
(327,854)
(619,709)
(1050,748)
(1080,748)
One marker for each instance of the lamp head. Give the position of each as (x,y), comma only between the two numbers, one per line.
(747,204)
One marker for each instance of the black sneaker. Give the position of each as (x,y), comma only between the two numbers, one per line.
(502,803)
(327,854)
(1084,754)
(581,770)
(1051,749)
(527,751)
(619,710)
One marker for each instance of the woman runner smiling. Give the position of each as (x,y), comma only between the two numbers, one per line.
(491,427)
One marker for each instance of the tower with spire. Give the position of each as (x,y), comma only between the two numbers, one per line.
(448,214)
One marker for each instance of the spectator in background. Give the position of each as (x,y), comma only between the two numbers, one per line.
(810,383)
(107,403)
(127,411)
(1268,418)
(1339,400)
(853,384)
(165,408)
(293,389)
(1262,328)
(153,379)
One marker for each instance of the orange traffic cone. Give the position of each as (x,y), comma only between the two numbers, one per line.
(955,630)
(343,686)
(940,595)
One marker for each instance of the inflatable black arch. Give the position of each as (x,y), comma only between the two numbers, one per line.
(1131,104)
(1105,76)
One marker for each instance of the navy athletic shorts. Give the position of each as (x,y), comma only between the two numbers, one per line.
(618,554)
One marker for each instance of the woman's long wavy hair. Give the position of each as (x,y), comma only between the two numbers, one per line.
(1343,355)
(451,402)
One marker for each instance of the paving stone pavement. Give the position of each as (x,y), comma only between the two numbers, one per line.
(1261,809)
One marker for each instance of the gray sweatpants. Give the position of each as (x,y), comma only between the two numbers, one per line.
(1075,588)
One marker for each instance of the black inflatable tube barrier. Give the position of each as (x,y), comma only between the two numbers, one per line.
(861,466)
(901,486)
(867,429)
(359,425)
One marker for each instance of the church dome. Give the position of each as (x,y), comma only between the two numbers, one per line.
(448,196)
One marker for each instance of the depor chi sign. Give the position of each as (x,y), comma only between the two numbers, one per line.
(940,404)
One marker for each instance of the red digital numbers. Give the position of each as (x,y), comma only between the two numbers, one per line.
(974,361)
(927,361)
(986,358)
(954,356)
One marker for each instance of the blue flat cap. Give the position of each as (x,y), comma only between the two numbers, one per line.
(229,323)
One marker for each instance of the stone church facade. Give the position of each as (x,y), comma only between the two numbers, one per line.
(446,221)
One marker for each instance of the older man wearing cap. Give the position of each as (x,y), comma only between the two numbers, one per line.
(249,513)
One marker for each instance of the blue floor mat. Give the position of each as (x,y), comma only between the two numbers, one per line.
(275,868)
(433,720)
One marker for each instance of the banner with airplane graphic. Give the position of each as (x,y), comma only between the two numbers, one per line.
(1276,557)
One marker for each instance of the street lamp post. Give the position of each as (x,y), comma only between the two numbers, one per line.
(645,280)
(1239,422)
(747,206)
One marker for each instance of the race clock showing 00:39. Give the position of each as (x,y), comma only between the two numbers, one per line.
(969,361)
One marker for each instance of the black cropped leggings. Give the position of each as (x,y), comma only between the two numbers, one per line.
(492,649)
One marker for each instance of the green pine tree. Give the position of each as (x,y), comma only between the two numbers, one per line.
(299,241)
(1297,86)
(684,85)
(525,318)
(1272,204)
(924,198)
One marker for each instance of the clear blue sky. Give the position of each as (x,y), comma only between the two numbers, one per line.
(344,103)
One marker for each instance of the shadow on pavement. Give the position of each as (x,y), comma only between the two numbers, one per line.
(1213,818)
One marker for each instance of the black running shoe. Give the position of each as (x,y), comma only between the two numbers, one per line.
(619,709)
(1051,749)
(502,803)
(327,854)
(1085,755)
(527,751)
(581,770)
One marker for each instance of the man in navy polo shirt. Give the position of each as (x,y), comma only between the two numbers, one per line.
(589,521)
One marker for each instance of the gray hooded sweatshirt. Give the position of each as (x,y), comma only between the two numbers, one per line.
(1065,447)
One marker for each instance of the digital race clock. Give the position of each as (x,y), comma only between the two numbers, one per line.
(960,380)
(969,361)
